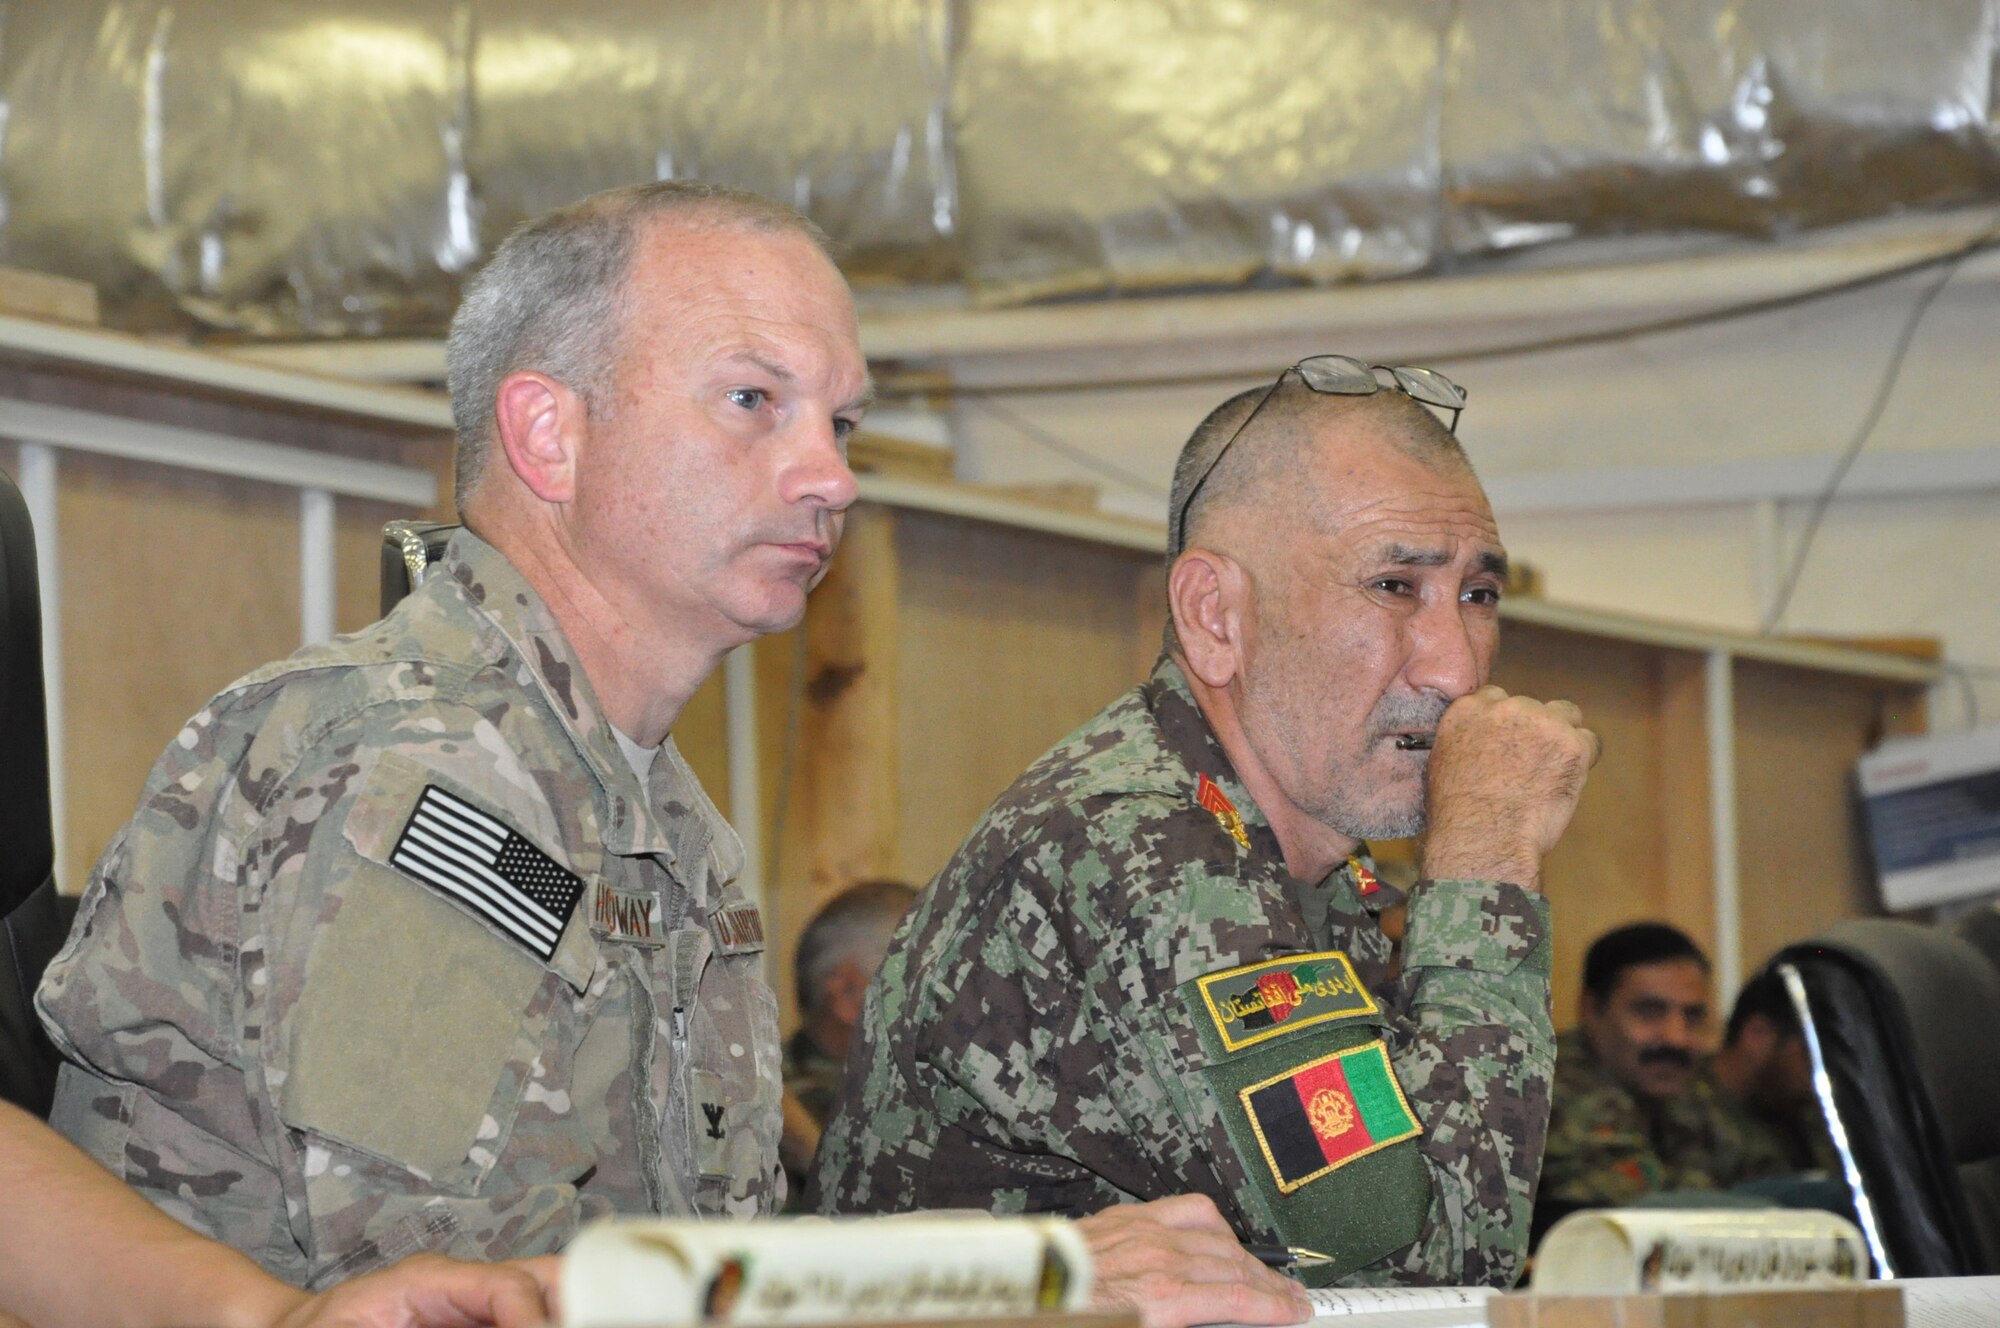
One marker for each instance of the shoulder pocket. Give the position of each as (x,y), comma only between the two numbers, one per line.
(1302,1079)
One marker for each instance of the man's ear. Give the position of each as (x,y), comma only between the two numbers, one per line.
(540,423)
(1208,594)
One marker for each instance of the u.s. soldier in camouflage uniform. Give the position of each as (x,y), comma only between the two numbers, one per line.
(1155,966)
(425,938)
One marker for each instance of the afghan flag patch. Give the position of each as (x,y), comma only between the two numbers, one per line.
(1260,1001)
(1316,1118)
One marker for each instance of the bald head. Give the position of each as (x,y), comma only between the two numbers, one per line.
(1260,474)
(551,299)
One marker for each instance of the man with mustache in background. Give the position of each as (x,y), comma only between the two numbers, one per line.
(1631,1116)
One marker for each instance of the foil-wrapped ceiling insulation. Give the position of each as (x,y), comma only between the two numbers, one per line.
(333,168)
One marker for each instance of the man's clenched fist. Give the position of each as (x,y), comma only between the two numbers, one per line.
(1505,775)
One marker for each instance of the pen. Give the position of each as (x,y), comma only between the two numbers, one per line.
(1287,1256)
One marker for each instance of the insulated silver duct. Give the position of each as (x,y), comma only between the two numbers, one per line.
(326,169)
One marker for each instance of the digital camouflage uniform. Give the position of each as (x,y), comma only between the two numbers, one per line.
(1062,1025)
(1606,1148)
(294,1029)
(812,1075)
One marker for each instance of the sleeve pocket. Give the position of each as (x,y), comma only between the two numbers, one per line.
(413,1034)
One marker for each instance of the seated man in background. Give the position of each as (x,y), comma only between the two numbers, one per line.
(1155,965)
(838,953)
(1763,1082)
(1640,1111)
(427,938)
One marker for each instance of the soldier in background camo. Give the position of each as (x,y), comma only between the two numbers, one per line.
(839,952)
(1155,965)
(424,939)
(1639,1108)
(1631,1115)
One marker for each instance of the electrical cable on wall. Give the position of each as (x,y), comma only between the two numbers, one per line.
(1078,456)
(1883,391)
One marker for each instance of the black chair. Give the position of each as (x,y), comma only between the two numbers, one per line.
(34,919)
(409,550)
(1903,1024)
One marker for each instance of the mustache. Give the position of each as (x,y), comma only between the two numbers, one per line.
(1667,1056)
(1402,714)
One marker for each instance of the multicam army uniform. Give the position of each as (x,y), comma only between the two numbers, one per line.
(397,955)
(1606,1148)
(1115,991)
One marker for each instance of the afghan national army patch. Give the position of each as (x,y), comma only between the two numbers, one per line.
(1260,1001)
(1317,1117)
(486,865)
(1217,804)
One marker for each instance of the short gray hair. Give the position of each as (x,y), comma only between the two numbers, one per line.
(552,299)
(855,924)
(1284,428)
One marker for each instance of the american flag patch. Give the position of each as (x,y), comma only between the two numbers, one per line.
(452,846)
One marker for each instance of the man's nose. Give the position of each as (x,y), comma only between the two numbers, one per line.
(1445,656)
(817,471)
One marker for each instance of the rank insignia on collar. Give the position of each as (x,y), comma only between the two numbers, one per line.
(1261,1001)
(1217,804)
(1365,882)
(1317,1117)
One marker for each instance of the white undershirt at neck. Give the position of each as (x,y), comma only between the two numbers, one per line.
(641,758)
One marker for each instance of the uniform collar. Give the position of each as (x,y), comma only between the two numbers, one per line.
(503,596)
(1185,732)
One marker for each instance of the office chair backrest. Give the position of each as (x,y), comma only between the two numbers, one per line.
(30,853)
(1906,1020)
(33,918)
(409,550)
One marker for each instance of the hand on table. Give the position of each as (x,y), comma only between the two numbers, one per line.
(1178,1263)
(430,1291)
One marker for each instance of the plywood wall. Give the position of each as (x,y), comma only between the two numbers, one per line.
(173,583)
(938,660)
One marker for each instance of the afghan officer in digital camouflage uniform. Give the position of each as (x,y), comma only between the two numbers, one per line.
(1156,964)
(425,938)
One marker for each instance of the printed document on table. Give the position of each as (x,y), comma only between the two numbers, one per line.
(1401,1307)
(1950,1302)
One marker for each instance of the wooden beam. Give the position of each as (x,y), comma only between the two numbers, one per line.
(831,767)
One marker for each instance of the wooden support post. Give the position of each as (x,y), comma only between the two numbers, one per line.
(830,769)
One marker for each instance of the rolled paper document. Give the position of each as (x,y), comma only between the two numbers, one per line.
(1620,1251)
(645,1274)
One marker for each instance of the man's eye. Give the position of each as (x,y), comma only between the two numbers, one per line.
(750,398)
(1486,595)
(843,429)
(1394,585)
